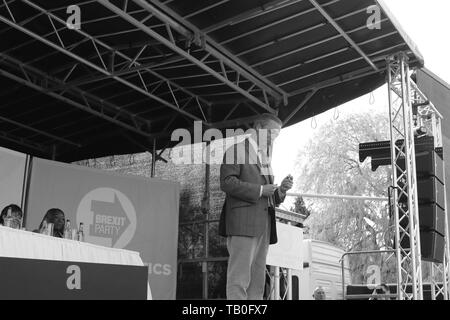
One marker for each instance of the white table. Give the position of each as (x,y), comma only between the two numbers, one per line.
(28,245)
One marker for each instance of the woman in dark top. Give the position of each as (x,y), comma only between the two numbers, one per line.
(55,216)
(16,213)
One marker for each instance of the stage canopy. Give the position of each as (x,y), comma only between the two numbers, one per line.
(138,69)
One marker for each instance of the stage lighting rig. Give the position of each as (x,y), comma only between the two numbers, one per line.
(380,151)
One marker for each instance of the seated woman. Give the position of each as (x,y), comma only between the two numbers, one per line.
(57,217)
(16,215)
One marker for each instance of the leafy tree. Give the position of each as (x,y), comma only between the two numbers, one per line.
(300,207)
(329,164)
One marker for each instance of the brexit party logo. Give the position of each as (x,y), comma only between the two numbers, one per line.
(109,217)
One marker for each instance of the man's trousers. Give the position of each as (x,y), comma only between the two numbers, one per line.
(247,266)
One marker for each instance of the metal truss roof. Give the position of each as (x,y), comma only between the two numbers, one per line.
(138,69)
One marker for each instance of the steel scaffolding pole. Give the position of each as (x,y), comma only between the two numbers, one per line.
(272,282)
(277,283)
(404,180)
(289,279)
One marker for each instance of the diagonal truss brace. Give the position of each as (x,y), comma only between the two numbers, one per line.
(343,33)
(193,35)
(40,132)
(216,50)
(99,64)
(82,100)
(25,142)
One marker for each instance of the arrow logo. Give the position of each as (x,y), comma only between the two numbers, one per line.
(110,219)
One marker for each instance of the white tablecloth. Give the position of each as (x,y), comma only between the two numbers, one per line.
(28,245)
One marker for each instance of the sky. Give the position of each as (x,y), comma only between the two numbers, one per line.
(427,23)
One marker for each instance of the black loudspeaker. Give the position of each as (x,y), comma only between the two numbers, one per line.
(432,246)
(431,190)
(429,164)
(432,218)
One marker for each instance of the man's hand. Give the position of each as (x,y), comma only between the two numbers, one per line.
(268,190)
(287,184)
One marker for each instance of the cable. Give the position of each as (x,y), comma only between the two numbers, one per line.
(389,200)
(313,123)
(371,99)
(336,114)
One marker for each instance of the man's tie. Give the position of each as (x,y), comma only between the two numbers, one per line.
(266,169)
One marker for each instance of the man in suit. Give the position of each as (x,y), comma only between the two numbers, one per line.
(248,215)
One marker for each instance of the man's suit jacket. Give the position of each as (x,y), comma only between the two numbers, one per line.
(244,212)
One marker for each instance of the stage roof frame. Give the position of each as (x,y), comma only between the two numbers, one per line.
(137,70)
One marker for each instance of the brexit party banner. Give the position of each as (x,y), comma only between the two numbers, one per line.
(125,212)
(12,172)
